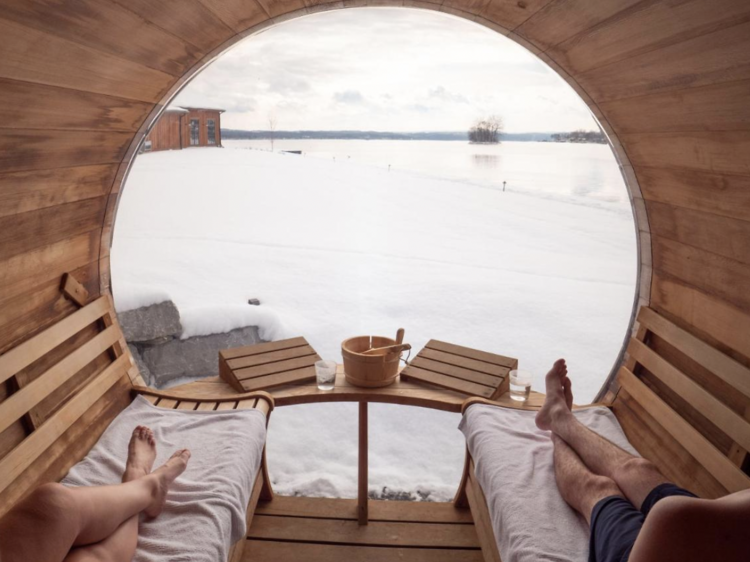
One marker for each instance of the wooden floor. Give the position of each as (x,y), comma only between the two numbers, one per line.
(293,529)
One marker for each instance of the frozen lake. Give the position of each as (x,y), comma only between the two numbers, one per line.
(336,249)
(586,173)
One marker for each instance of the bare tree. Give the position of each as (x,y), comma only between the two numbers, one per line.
(272,128)
(487,130)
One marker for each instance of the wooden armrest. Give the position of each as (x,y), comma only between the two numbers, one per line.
(259,394)
(519,406)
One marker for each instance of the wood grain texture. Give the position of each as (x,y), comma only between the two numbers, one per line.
(713,319)
(21,192)
(647,27)
(278,551)
(34,149)
(719,235)
(237,14)
(722,56)
(34,56)
(716,275)
(128,36)
(719,107)
(711,192)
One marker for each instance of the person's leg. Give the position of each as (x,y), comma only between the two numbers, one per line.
(682,528)
(635,476)
(121,544)
(580,488)
(53,518)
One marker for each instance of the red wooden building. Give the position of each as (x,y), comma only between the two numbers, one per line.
(183,127)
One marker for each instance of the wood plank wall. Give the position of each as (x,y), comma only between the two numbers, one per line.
(668,79)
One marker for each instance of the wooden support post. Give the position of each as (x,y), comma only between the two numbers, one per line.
(362,482)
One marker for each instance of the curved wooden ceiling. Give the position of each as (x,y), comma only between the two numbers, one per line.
(669,80)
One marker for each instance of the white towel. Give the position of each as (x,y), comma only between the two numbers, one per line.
(514,467)
(206,506)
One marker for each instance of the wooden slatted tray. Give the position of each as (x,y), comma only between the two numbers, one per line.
(462,369)
(266,365)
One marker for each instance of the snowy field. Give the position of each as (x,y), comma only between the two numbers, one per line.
(336,249)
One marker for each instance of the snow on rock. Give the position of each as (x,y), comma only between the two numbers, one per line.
(216,319)
(336,249)
(152,323)
(129,295)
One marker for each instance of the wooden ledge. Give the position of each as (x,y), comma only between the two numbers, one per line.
(191,396)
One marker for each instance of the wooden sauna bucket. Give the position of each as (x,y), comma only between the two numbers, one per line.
(370,371)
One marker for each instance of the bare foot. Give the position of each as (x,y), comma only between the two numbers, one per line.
(558,399)
(163,478)
(141,454)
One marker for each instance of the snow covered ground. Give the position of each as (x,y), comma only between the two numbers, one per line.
(335,249)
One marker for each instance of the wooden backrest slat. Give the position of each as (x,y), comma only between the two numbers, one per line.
(727,473)
(26,353)
(22,456)
(726,419)
(723,366)
(29,396)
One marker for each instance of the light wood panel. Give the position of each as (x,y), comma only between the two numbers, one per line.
(34,56)
(647,27)
(711,273)
(721,194)
(277,551)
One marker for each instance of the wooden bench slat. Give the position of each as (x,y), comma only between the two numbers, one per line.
(455,371)
(20,458)
(277,367)
(281,551)
(167,403)
(263,348)
(279,379)
(379,510)
(37,390)
(451,383)
(730,476)
(153,399)
(246,404)
(187,405)
(470,353)
(227,406)
(434,535)
(26,353)
(465,362)
(720,364)
(482,521)
(206,406)
(272,357)
(719,414)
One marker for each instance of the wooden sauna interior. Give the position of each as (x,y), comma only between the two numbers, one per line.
(669,81)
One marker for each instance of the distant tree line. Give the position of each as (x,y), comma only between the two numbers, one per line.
(580,136)
(486,130)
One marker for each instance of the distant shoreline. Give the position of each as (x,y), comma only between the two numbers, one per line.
(235,134)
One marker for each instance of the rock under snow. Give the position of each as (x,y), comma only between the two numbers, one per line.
(153,323)
(195,357)
(142,367)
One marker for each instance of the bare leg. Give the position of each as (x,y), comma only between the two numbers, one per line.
(579,487)
(121,544)
(680,528)
(635,476)
(53,518)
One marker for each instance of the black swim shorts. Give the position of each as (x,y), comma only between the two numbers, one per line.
(615,523)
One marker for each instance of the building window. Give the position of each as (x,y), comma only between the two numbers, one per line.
(211,128)
(194,132)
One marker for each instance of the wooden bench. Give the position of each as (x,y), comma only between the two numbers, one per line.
(692,423)
(65,385)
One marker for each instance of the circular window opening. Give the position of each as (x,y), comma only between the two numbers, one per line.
(318,180)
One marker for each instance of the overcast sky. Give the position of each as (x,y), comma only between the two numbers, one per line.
(384,69)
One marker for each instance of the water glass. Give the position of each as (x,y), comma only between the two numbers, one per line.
(325,372)
(520,385)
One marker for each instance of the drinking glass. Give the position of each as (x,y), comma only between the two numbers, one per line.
(325,372)
(520,385)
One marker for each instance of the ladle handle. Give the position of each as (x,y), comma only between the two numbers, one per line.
(400,335)
(395,348)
